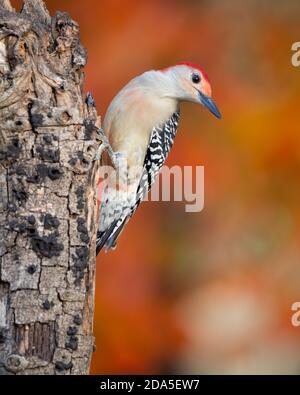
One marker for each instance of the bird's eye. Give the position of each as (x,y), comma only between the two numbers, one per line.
(196,78)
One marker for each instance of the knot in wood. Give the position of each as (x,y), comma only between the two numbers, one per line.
(15,363)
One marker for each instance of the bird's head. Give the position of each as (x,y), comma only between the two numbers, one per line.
(191,84)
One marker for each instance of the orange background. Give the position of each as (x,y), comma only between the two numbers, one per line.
(209,292)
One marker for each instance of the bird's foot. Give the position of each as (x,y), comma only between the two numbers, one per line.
(104,146)
(118,159)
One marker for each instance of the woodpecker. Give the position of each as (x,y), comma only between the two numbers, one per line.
(140,126)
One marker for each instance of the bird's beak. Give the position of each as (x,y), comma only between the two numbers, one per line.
(210,104)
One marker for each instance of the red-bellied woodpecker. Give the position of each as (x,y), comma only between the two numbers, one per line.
(140,124)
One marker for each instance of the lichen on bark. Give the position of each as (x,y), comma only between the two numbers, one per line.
(48,139)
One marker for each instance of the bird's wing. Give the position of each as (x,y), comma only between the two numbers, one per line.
(160,143)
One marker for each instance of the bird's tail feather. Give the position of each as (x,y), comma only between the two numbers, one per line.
(109,236)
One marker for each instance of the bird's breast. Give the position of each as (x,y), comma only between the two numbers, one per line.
(130,120)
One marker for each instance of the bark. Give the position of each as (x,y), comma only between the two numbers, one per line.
(48,139)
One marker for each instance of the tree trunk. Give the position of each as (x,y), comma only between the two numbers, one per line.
(48,202)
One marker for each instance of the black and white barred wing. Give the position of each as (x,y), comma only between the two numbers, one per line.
(160,144)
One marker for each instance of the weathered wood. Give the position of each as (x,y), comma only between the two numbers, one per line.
(48,139)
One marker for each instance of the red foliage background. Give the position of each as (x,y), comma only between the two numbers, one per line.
(209,292)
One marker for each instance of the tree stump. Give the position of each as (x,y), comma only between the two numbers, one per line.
(48,204)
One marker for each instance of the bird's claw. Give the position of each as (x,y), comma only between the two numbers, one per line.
(104,146)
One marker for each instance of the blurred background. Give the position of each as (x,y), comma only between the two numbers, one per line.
(207,292)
